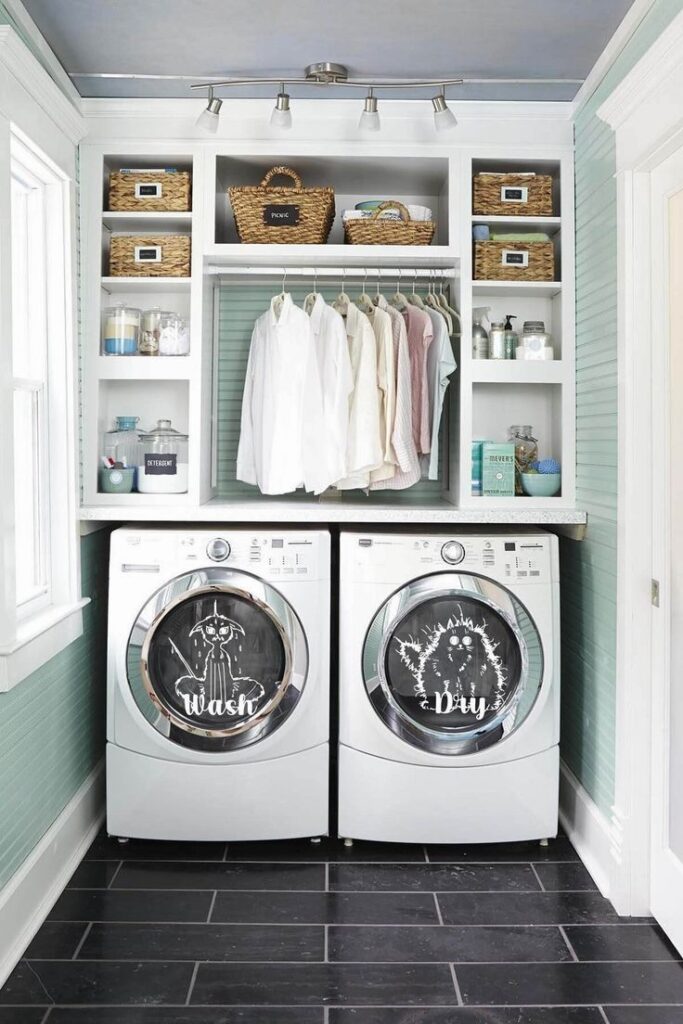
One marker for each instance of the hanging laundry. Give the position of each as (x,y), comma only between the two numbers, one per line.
(336,378)
(440,365)
(402,442)
(419,328)
(282,436)
(386,382)
(364,452)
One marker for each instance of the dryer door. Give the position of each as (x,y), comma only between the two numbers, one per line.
(453,663)
(217,659)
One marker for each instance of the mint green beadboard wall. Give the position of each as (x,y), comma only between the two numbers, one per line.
(589,569)
(52,724)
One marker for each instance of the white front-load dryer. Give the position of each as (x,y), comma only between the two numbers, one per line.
(218,683)
(449,687)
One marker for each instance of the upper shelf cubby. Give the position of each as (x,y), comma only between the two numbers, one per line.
(139,210)
(516,166)
(419,181)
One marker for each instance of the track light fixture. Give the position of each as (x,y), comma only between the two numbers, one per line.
(282,115)
(208,119)
(369,119)
(444,118)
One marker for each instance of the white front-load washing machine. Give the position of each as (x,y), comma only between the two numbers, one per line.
(449,687)
(218,683)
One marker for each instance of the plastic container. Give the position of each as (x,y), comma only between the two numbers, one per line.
(121,330)
(149,336)
(122,444)
(174,335)
(163,462)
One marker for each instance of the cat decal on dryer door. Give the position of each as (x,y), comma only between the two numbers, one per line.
(215,686)
(455,667)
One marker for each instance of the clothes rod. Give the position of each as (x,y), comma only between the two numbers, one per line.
(400,273)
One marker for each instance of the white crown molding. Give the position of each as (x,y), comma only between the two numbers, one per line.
(618,42)
(17,59)
(23,19)
(653,69)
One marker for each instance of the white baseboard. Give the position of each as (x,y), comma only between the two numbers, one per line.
(32,891)
(589,830)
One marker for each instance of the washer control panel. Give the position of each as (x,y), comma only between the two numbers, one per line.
(453,552)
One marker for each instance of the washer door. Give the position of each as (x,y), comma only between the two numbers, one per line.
(453,663)
(217,659)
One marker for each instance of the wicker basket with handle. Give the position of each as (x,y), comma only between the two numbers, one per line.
(376,230)
(514,261)
(282,214)
(513,195)
(149,256)
(165,191)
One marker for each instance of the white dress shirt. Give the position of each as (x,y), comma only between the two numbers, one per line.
(282,437)
(402,440)
(440,365)
(364,450)
(386,382)
(336,381)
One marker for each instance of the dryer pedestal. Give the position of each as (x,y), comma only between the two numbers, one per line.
(389,801)
(285,798)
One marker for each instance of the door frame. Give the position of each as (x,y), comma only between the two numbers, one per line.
(647,120)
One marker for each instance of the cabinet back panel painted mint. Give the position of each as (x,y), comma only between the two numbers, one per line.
(52,723)
(589,569)
(240,305)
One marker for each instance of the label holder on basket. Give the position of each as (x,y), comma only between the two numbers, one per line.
(148,254)
(514,258)
(514,194)
(148,190)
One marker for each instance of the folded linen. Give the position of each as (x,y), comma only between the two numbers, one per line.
(519,236)
(420,213)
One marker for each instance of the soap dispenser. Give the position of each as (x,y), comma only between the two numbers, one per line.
(511,337)
(480,337)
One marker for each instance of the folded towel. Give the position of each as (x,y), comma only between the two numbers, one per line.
(519,236)
(421,213)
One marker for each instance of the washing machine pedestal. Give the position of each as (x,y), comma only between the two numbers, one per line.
(149,798)
(390,801)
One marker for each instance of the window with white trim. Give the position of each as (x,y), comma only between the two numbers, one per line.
(40,602)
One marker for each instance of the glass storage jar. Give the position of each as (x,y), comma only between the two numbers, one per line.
(526,451)
(536,342)
(121,444)
(174,335)
(163,465)
(149,337)
(120,330)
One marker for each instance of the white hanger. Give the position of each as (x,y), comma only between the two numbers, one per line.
(341,303)
(364,301)
(434,304)
(309,301)
(376,297)
(279,300)
(414,299)
(443,301)
(398,299)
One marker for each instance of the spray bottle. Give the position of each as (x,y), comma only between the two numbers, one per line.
(480,337)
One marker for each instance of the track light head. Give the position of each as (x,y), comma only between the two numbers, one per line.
(369,119)
(208,119)
(282,115)
(444,118)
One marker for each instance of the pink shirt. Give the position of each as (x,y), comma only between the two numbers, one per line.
(419,328)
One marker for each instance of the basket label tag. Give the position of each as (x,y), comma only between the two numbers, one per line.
(148,190)
(161,465)
(283,215)
(514,194)
(148,254)
(514,258)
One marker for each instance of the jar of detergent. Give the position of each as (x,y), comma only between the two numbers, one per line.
(163,462)
(121,330)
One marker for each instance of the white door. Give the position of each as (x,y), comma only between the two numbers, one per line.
(667,488)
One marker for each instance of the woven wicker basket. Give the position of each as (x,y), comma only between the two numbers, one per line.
(513,195)
(149,190)
(495,261)
(282,214)
(377,231)
(149,256)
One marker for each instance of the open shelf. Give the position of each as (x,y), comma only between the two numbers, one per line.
(517,371)
(549,224)
(137,285)
(518,289)
(145,221)
(333,255)
(144,367)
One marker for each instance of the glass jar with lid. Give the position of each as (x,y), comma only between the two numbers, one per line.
(163,463)
(121,444)
(536,342)
(149,337)
(120,330)
(174,335)
(526,451)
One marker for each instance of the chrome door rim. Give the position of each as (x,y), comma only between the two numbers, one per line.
(379,691)
(216,580)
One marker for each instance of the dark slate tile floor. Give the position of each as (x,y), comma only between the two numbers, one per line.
(296,933)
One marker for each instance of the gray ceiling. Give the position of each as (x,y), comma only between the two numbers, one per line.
(412,38)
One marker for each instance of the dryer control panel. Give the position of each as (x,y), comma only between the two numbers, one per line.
(514,558)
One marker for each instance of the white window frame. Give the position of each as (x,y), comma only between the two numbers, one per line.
(41,127)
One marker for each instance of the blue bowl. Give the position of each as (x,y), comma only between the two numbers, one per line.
(541,485)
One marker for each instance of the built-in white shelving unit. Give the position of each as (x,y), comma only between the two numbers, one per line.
(485,397)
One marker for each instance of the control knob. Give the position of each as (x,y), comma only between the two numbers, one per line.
(453,552)
(218,549)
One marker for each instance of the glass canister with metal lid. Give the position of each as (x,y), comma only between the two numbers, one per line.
(526,451)
(120,330)
(163,463)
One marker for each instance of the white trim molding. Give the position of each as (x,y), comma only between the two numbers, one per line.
(32,891)
(43,637)
(596,839)
(646,114)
